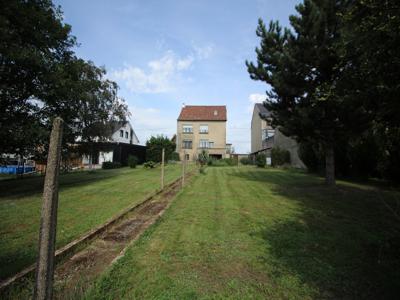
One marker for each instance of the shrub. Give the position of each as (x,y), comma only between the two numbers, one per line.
(132,161)
(175,156)
(110,165)
(221,162)
(229,161)
(155,145)
(245,161)
(261,160)
(204,158)
(279,157)
(149,164)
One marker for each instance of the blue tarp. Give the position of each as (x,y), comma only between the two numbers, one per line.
(16,169)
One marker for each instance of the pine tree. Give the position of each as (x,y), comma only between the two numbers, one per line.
(304,70)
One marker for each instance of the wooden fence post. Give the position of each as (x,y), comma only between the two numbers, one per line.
(183,168)
(162,168)
(48,223)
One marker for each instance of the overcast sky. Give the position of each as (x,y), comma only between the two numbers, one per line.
(165,53)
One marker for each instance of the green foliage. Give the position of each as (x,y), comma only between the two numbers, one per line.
(279,157)
(224,162)
(203,158)
(311,156)
(110,165)
(261,160)
(303,67)
(38,62)
(132,161)
(149,164)
(246,161)
(334,81)
(155,145)
(175,156)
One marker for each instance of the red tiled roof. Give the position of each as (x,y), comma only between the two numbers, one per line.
(203,113)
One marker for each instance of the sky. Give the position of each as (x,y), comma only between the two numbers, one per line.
(167,53)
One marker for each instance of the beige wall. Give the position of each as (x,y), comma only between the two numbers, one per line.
(257,126)
(279,140)
(216,133)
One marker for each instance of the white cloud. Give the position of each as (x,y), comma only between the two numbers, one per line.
(203,52)
(160,76)
(255,98)
(148,121)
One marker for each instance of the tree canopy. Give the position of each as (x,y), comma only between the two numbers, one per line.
(155,144)
(41,77)
(317,72)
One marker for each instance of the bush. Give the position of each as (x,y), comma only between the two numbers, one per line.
(229,161)
(246,161)
(110,165)
(221,162)
(132,161)
(204,158)
(261,160)
(175,156)
(149,164)
(279,157)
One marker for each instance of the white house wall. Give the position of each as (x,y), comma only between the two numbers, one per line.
(116,137)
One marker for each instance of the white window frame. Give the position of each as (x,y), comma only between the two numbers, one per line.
(204,144)
(187,128)
(203,128)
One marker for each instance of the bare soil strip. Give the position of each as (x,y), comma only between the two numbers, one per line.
(77,273)
(102,246)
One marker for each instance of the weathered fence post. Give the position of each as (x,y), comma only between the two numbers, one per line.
(162,168)
(183,168)
(48,223)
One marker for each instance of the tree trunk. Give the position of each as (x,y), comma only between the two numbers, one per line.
(330,165)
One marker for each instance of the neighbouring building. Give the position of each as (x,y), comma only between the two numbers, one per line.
(202,128)
(264,137)
(122,143)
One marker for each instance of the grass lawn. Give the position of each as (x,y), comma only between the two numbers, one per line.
(247,233)
(86,199)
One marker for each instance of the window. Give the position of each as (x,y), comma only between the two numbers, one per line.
(267,133)
(187,129)
(187,156)
(121,133)
(126,134)
(186,144)
(210,144)
(204,144)
(203,128)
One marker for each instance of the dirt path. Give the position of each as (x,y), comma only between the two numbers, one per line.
(74,275)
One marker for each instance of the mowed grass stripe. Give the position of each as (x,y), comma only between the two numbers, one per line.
(86,200)
(247,233)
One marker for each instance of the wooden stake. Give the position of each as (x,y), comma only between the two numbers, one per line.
(183,168)
(48,223)
(162,168)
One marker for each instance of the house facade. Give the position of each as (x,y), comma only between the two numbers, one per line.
(201,128)
(264,137)
(122,142)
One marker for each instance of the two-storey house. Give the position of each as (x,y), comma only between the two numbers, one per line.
(264,137)
(201,128)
